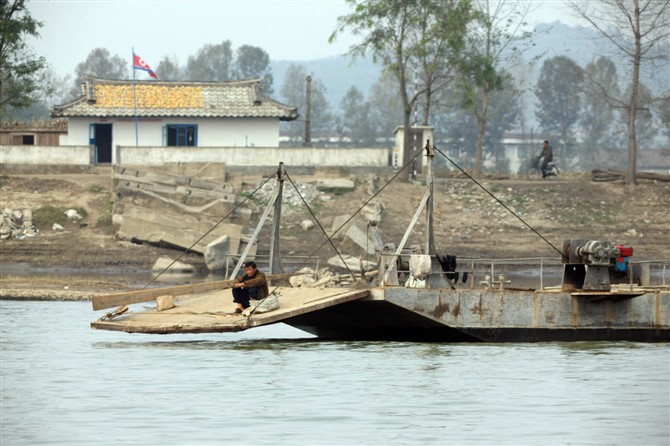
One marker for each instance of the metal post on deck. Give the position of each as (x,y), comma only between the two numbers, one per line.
(430,240)
(275,262)
(437,278)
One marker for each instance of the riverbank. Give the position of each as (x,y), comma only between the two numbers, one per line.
(85,257)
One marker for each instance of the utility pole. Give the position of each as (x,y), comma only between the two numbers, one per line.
(308,113)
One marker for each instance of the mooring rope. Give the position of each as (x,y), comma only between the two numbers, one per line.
(499,201)
(329,237)
(319,223)
(269,177)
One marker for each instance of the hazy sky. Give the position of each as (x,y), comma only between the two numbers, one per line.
(285,29)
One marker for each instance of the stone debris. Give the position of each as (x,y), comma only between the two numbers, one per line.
(72,214)
(57,227)
(165,263)
(290,197)
(306,225)
(217,252)
(17,224)
(354,263)
(339,184)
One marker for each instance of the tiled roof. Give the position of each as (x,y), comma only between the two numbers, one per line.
(238,99)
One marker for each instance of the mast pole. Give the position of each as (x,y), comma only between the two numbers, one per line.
(437,279)
(275,261)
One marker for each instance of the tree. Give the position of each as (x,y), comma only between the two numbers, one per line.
(385,106)
(293,91)
(440,41)
(211,63)
(638,29)
(101,64)
(20,70)
(600,85)
(356,123)
(495,38)
(254,63)
(559,89)
(168,69)
(645,127)
(504,111)
(663,109)
(397,33)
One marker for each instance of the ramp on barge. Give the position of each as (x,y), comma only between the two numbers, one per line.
(213,312)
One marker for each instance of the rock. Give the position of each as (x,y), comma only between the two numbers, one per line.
(216,253)
(372,212)
(301,281)
(352,262)
(306,225)
(72,214)
(117,220)
(165,264)
(339,221)
(360,238)
(164,302)
(336,183)
(57,227)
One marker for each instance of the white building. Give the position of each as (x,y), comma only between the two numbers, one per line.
(114,113)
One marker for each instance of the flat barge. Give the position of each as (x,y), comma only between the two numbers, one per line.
(428,304)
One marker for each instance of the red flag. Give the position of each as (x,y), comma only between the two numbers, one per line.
(140,64)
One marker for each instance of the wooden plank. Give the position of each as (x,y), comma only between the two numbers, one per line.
(103,301)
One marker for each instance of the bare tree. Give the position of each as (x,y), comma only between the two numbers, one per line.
(497,39)
(639,30)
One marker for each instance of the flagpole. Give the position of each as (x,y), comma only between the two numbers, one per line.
(135,99)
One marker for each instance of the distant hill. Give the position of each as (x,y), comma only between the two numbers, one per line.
(551,39)
(337,73)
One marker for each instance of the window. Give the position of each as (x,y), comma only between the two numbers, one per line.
(181,135)
(23,140)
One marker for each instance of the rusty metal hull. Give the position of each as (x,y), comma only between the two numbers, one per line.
(396,313)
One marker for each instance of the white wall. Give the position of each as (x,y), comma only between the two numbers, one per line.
(253,156)
(232,156)
(212,132)
(45,155)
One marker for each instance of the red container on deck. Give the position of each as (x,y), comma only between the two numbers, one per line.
(626,251)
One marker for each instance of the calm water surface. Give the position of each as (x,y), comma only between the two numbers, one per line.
(63,383)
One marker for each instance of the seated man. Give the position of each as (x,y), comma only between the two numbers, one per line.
(252,285)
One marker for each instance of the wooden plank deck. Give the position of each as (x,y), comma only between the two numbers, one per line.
(213,312)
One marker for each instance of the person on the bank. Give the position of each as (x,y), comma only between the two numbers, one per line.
(546,156)
(252,285)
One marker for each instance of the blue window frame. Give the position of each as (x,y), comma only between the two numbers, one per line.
(181,135)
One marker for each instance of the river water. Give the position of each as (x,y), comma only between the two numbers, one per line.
(64,383)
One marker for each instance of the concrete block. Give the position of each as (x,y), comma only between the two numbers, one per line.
(217,252)
(164,302)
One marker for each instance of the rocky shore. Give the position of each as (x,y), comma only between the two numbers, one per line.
(85,257)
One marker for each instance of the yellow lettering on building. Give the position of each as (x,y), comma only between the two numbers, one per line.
(147,96)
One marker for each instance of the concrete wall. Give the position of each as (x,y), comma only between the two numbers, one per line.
(45,155)
(253,156)
(230,156)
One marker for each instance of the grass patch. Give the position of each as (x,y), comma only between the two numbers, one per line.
(46,216)
(96,189)
(334,190)
(105,225)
